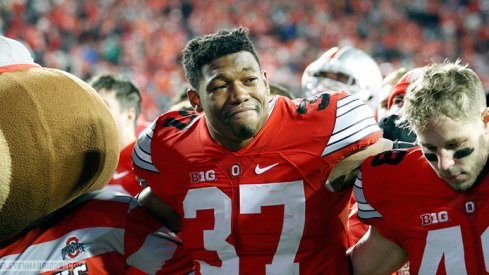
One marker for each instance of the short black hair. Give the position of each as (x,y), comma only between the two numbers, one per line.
(126,93)
(207,48)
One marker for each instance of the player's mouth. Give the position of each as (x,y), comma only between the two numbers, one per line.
(240,112)
(456,177)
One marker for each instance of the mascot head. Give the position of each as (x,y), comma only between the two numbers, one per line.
(58,140)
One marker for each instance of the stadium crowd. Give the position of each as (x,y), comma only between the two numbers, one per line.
(143,39)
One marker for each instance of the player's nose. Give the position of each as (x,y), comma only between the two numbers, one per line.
(238,92)
(445,160)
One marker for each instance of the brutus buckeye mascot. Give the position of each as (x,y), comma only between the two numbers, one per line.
(58,146)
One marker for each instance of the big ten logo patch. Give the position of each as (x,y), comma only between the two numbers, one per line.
(434,218)
(202,176)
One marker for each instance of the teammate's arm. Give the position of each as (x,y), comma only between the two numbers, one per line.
(161,211)
(375,255)
(341,175)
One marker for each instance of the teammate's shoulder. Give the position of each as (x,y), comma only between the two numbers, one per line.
(387,179)
(316,104)
(173,121)
(178,119)
(392,160)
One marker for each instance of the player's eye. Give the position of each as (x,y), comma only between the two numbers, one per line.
(251,80)
(217,88)
(398,101)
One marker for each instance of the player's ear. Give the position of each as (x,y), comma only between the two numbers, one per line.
(131,115)
(265,80)
(485,118)
(194,98)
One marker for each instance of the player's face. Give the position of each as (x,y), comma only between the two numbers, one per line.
(234,96)
(397,104)
(457,150)
(120,116)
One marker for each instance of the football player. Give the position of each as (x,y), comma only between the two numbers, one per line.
(388,83)
(124,101)
(390,124)
(352,70)
(248,177)
(344,69)
(95,232)
(428,204)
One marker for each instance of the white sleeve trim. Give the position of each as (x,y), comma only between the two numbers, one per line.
(141,155)
(354,121)
(365,210)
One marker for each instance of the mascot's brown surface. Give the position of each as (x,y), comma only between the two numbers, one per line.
(52,147)
(58,146)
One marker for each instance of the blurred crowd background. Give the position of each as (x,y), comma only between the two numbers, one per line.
(142,39)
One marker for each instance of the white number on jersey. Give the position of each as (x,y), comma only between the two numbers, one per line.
(448,242)
(252,198)
(74,269)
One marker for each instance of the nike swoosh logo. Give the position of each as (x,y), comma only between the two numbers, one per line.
(259,170)
(117,176)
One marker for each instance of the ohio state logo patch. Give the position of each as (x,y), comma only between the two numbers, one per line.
(72,248)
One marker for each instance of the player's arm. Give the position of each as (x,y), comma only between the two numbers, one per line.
(147,171)
(344,172)
(161,211)
(375,255)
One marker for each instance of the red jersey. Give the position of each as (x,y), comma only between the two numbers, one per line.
(265,208)
(443,231)
(99,233)
(124,181)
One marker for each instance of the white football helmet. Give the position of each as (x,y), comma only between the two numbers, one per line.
(344,68)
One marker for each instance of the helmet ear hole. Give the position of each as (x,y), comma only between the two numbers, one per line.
(353,81)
